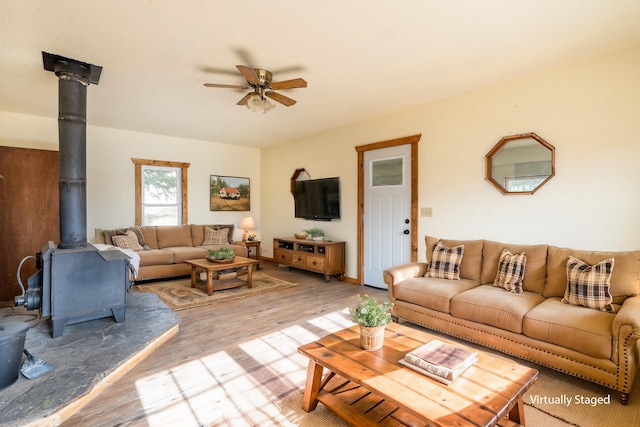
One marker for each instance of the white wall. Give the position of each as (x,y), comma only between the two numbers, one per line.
(588,110)
(110,171)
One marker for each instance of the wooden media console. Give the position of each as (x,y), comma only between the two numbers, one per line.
(320,256)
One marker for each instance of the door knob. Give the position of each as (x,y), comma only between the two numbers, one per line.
(406,221)
(406,231)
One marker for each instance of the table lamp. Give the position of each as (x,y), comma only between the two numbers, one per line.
(246,223)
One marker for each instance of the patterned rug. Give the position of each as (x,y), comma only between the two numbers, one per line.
(578,402)
(179,295)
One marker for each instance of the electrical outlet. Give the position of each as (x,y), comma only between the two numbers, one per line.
(426,212)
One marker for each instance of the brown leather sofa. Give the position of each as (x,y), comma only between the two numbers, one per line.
(535,325)
(165,248)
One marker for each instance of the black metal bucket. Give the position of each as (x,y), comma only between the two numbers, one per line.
(12,337)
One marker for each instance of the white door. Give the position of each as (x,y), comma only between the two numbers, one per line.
(387,211)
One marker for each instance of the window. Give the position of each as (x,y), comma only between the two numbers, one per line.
(160,202)
(161,192)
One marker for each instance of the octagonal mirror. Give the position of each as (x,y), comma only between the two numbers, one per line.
(299,174)
(520,164)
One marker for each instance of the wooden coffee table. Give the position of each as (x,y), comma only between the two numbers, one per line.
(210,267)
(372,388)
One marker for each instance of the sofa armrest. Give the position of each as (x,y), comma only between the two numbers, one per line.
(397,274)
(626,324)
(239,243)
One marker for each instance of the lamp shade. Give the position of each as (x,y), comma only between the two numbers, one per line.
(255,103)
(247,223)
(259,103)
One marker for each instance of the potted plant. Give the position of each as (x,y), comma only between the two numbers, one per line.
(372,319)
(315,233)
(221,255)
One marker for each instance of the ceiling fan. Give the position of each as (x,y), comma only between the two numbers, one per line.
(259,80)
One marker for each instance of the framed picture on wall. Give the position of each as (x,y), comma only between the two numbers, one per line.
(229,193)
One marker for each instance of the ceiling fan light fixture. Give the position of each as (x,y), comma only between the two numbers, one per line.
(260,81)
(267,105)
(256,103)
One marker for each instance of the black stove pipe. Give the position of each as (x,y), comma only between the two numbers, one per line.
(74,77)
(72,134)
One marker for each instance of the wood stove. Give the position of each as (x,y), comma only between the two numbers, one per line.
(75,282)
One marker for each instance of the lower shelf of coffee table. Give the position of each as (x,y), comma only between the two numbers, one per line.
(360,407)
(226,283)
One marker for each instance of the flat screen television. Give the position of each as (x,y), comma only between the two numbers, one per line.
(318,199)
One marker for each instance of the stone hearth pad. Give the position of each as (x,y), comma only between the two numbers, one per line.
(84,357)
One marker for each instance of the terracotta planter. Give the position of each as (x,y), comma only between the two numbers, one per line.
(372,338)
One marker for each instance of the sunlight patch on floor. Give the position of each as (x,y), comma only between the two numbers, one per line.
(333,322)
(238,387)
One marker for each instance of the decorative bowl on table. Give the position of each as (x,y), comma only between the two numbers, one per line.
(221,261)
(302,236)
(221,256)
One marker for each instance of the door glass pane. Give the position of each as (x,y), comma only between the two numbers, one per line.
(386,172)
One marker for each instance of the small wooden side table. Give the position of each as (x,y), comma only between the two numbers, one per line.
(256,245)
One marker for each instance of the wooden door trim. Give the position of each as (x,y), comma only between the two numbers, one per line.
(361,149)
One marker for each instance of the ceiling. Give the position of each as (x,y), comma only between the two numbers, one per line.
(361,58)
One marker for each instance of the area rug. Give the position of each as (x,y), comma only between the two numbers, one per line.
(579,402)
(179,295)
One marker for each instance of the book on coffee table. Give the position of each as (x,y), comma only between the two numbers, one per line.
(226,274)
(439,360)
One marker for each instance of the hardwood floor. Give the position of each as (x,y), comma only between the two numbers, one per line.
(219,333)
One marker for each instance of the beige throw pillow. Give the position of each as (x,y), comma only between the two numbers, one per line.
(139,236)
(215,237)
(129,240)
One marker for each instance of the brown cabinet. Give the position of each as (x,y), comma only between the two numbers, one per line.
(320,256)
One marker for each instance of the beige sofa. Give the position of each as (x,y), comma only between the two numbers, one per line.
(602,347)
(163,249)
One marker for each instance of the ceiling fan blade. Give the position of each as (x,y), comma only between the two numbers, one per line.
(226,86)
(280,98)
(289,84)
(249,74)
(244,100)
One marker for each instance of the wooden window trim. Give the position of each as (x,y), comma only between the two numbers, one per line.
(138,163)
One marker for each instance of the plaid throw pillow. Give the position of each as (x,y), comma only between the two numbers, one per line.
(215,237)
(510,271)
(588,285)
(445,262)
